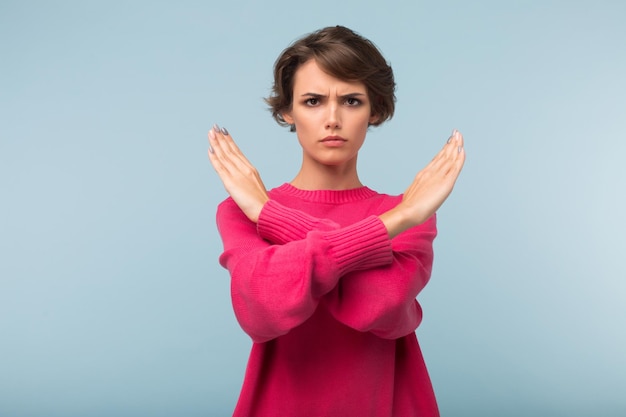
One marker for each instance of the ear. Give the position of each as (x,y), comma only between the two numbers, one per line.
(374,118)
(287,118)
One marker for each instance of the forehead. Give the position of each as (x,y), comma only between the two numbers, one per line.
(310,77)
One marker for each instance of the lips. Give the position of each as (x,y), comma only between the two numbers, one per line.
(333,142)
(333,139)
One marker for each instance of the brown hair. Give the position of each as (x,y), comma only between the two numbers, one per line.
(343,54)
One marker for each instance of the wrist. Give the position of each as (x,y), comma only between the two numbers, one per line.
(396,221)
(256,212)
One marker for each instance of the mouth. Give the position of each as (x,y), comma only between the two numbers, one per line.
(335,139)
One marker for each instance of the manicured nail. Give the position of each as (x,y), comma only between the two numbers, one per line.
(212,134)
(211,149)
(216,128)
(460,149)
(224,131)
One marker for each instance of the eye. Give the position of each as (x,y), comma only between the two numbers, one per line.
(312,101)
(351,101)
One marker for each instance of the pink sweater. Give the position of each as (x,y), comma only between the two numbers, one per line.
(329,301)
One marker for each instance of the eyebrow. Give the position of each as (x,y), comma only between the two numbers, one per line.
(316,95)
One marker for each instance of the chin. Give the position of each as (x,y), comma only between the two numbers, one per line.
(334,162)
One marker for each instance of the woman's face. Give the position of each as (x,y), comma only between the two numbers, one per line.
(331,116)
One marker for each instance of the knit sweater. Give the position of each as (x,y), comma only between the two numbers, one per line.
(329,302)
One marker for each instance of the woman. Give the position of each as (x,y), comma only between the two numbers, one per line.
(324,270)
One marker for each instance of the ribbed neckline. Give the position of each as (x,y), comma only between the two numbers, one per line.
(328,196)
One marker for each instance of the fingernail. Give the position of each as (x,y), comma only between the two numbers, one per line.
(216,128)
(212,134)
(224,131)
(211,149)
(460,149)
(449,139)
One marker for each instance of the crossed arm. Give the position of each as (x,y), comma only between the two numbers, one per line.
(429,189)
(282,261)
(366,280)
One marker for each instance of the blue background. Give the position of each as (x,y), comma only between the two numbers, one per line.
(111,298)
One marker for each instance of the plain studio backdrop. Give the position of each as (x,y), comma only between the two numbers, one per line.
(111,298)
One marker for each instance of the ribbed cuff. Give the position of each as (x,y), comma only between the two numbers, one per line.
(279,224)
(363,245)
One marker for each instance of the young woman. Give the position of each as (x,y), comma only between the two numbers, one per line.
(324,270)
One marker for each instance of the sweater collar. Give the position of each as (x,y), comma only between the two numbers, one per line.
(328,196)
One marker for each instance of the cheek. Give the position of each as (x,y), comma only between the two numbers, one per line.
(304,121)
(365,123)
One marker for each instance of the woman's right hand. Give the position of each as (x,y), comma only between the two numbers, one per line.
(429,189)
(239,176)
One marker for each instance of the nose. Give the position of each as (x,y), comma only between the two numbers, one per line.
(333,120)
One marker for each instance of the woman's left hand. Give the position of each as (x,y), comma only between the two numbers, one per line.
(240,178)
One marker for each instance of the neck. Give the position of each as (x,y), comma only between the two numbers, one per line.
(327,177)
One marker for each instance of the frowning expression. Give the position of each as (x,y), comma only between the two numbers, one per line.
(331,116)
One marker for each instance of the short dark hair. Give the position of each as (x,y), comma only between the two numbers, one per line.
(345,55)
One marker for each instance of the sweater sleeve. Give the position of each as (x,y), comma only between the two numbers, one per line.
(279,224)
(276,287)
(382,300)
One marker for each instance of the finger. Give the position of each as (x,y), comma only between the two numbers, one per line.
(457,155)
(447,153)
(215,140)
(214,156)
(227,142)
(454,147)
(451,144)
(215,147)
(230,150)
(449,159)
(223,160)
(222,152)
(231,164)
(459,141)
